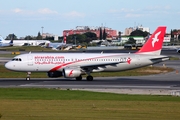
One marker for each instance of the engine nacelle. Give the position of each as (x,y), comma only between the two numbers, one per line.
(71,72)
(54,74)
(178,50)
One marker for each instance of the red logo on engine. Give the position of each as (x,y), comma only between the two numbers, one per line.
(129,60)
(71,72)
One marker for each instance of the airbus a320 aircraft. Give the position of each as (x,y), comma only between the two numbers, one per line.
(74,65)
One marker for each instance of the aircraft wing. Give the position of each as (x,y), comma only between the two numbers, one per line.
(95,66)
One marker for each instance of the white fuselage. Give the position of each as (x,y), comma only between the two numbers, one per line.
(22,42)
(36,62)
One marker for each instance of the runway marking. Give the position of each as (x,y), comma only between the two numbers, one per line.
(98,86)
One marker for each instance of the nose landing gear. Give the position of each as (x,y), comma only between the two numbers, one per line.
(28,76)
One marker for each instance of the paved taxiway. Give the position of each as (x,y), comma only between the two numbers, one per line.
(162,84)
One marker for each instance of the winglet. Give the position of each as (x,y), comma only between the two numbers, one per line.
(154,44)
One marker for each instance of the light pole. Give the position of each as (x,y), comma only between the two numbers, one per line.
(42,32)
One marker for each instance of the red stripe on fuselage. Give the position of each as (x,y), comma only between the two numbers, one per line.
(65,64)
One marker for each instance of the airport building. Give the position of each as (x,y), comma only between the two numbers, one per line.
(131,29)
(128,31)
(139,39)
(44,35)
(176,33)
(111,34)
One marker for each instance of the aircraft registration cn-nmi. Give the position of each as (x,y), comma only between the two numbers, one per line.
(74,65)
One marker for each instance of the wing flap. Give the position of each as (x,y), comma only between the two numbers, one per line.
(95,66)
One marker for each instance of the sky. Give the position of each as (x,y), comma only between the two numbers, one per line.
(27,17)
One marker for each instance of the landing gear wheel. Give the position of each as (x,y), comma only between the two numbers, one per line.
(79,78)
(89,78)
(27,78)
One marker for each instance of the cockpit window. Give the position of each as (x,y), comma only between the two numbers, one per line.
(16,59)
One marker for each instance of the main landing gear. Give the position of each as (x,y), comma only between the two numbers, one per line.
(28,76)
(88,78)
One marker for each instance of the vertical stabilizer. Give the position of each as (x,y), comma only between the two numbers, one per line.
(1,39)
(154,44)
(11,42)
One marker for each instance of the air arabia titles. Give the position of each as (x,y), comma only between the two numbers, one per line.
(49,60)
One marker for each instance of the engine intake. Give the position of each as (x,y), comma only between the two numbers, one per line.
(178,50)
(54,74)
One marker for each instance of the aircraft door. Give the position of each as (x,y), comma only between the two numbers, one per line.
(30,60)
(138,63)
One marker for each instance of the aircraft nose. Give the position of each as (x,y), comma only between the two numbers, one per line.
(8,65)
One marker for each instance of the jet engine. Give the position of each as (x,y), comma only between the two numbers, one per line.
(54,74)
(178,50)
(71,72)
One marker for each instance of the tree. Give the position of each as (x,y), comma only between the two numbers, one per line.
(131,41)
(81,38)
(119,34)
(50,38)
(139,33)
(172,35)
(11,36)
(175,33)
(39,36)
(104,34)
(100,35)
(76,38)
(28,37)
(178,37)
(90,35)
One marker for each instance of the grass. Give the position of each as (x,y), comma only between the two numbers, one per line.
(55,104)
(136,72)
(8,55)
(25,48)
(174,58)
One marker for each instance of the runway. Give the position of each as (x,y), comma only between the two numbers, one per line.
(161,84)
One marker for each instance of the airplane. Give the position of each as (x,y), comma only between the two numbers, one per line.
(4,43)
(57,46)
(20,42)
(74,65)
(54,46)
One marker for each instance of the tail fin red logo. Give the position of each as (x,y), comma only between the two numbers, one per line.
(154,44)
(155,39)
